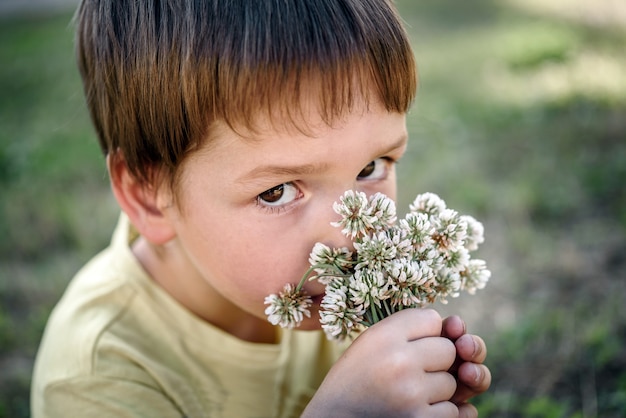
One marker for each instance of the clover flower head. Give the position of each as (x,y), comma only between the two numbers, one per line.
(456,261)
(376,251)
(448,284)
(288,308)
(384,209)
(450,231)
(430,257)
(330,262)
(418,229)
(475,276)
(410,282)
(475,233)
(368,287)
(337,315)
(396,264)
(356,216)
(428,203)
(400,239)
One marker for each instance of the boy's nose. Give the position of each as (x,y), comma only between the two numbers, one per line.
(330,234)
(336,239)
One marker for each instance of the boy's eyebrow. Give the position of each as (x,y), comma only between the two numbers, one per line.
(397,144)
(401,142)
(279,170)
(300,170)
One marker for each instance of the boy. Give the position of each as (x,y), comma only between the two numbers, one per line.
(229,130)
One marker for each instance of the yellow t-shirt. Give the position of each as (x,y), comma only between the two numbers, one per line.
(117,345)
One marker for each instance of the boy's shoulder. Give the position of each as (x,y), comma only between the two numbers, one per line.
(96,298)
(109,335)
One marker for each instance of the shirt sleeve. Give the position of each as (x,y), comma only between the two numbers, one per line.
(103,397)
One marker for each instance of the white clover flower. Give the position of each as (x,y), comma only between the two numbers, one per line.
(450,230)
(428,203)
(475,233)
(330,262)
(448,285)
(395,265)
(409,283)
(338,325)
(367,287)
(430,257)
(288,308)
(384,209)
(376,252)
(400,239)
(338,316)
(456,261)
(475,276)
(356,217)
(336,296)
(419,230)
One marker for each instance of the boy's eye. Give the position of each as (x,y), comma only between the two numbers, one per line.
(376,170)
(278,196)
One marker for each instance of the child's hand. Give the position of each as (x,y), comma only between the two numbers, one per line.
(398,367)
(473,377)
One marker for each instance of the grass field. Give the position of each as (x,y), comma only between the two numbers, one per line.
(520,121)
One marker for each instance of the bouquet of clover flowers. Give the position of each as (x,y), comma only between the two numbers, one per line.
(395,265)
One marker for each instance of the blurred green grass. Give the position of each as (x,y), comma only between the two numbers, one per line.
(520,121)
(55,208)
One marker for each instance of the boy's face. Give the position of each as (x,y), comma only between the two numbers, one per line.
(251,209)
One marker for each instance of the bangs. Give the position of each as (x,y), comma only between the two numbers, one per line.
(289,53)
(158,74)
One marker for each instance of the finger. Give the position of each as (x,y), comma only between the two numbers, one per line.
(417,323)
(445,384)
(453,327)
(445,409)
(473,379)
(471,348)
(476,377)
(427,322)
(467,410)
(438,353)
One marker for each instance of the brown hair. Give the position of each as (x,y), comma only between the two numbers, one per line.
(158,73)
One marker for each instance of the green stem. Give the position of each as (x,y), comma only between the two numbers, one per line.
(304,277)
(375,313)
(367,320)
(311,269)
(387,308)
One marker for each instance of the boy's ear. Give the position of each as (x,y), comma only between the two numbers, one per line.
(144,204)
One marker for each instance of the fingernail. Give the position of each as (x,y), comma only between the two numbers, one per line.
(478,373)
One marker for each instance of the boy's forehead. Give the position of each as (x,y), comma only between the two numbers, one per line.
(271,152)
(299,126)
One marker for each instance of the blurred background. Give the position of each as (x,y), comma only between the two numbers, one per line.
(520,121)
